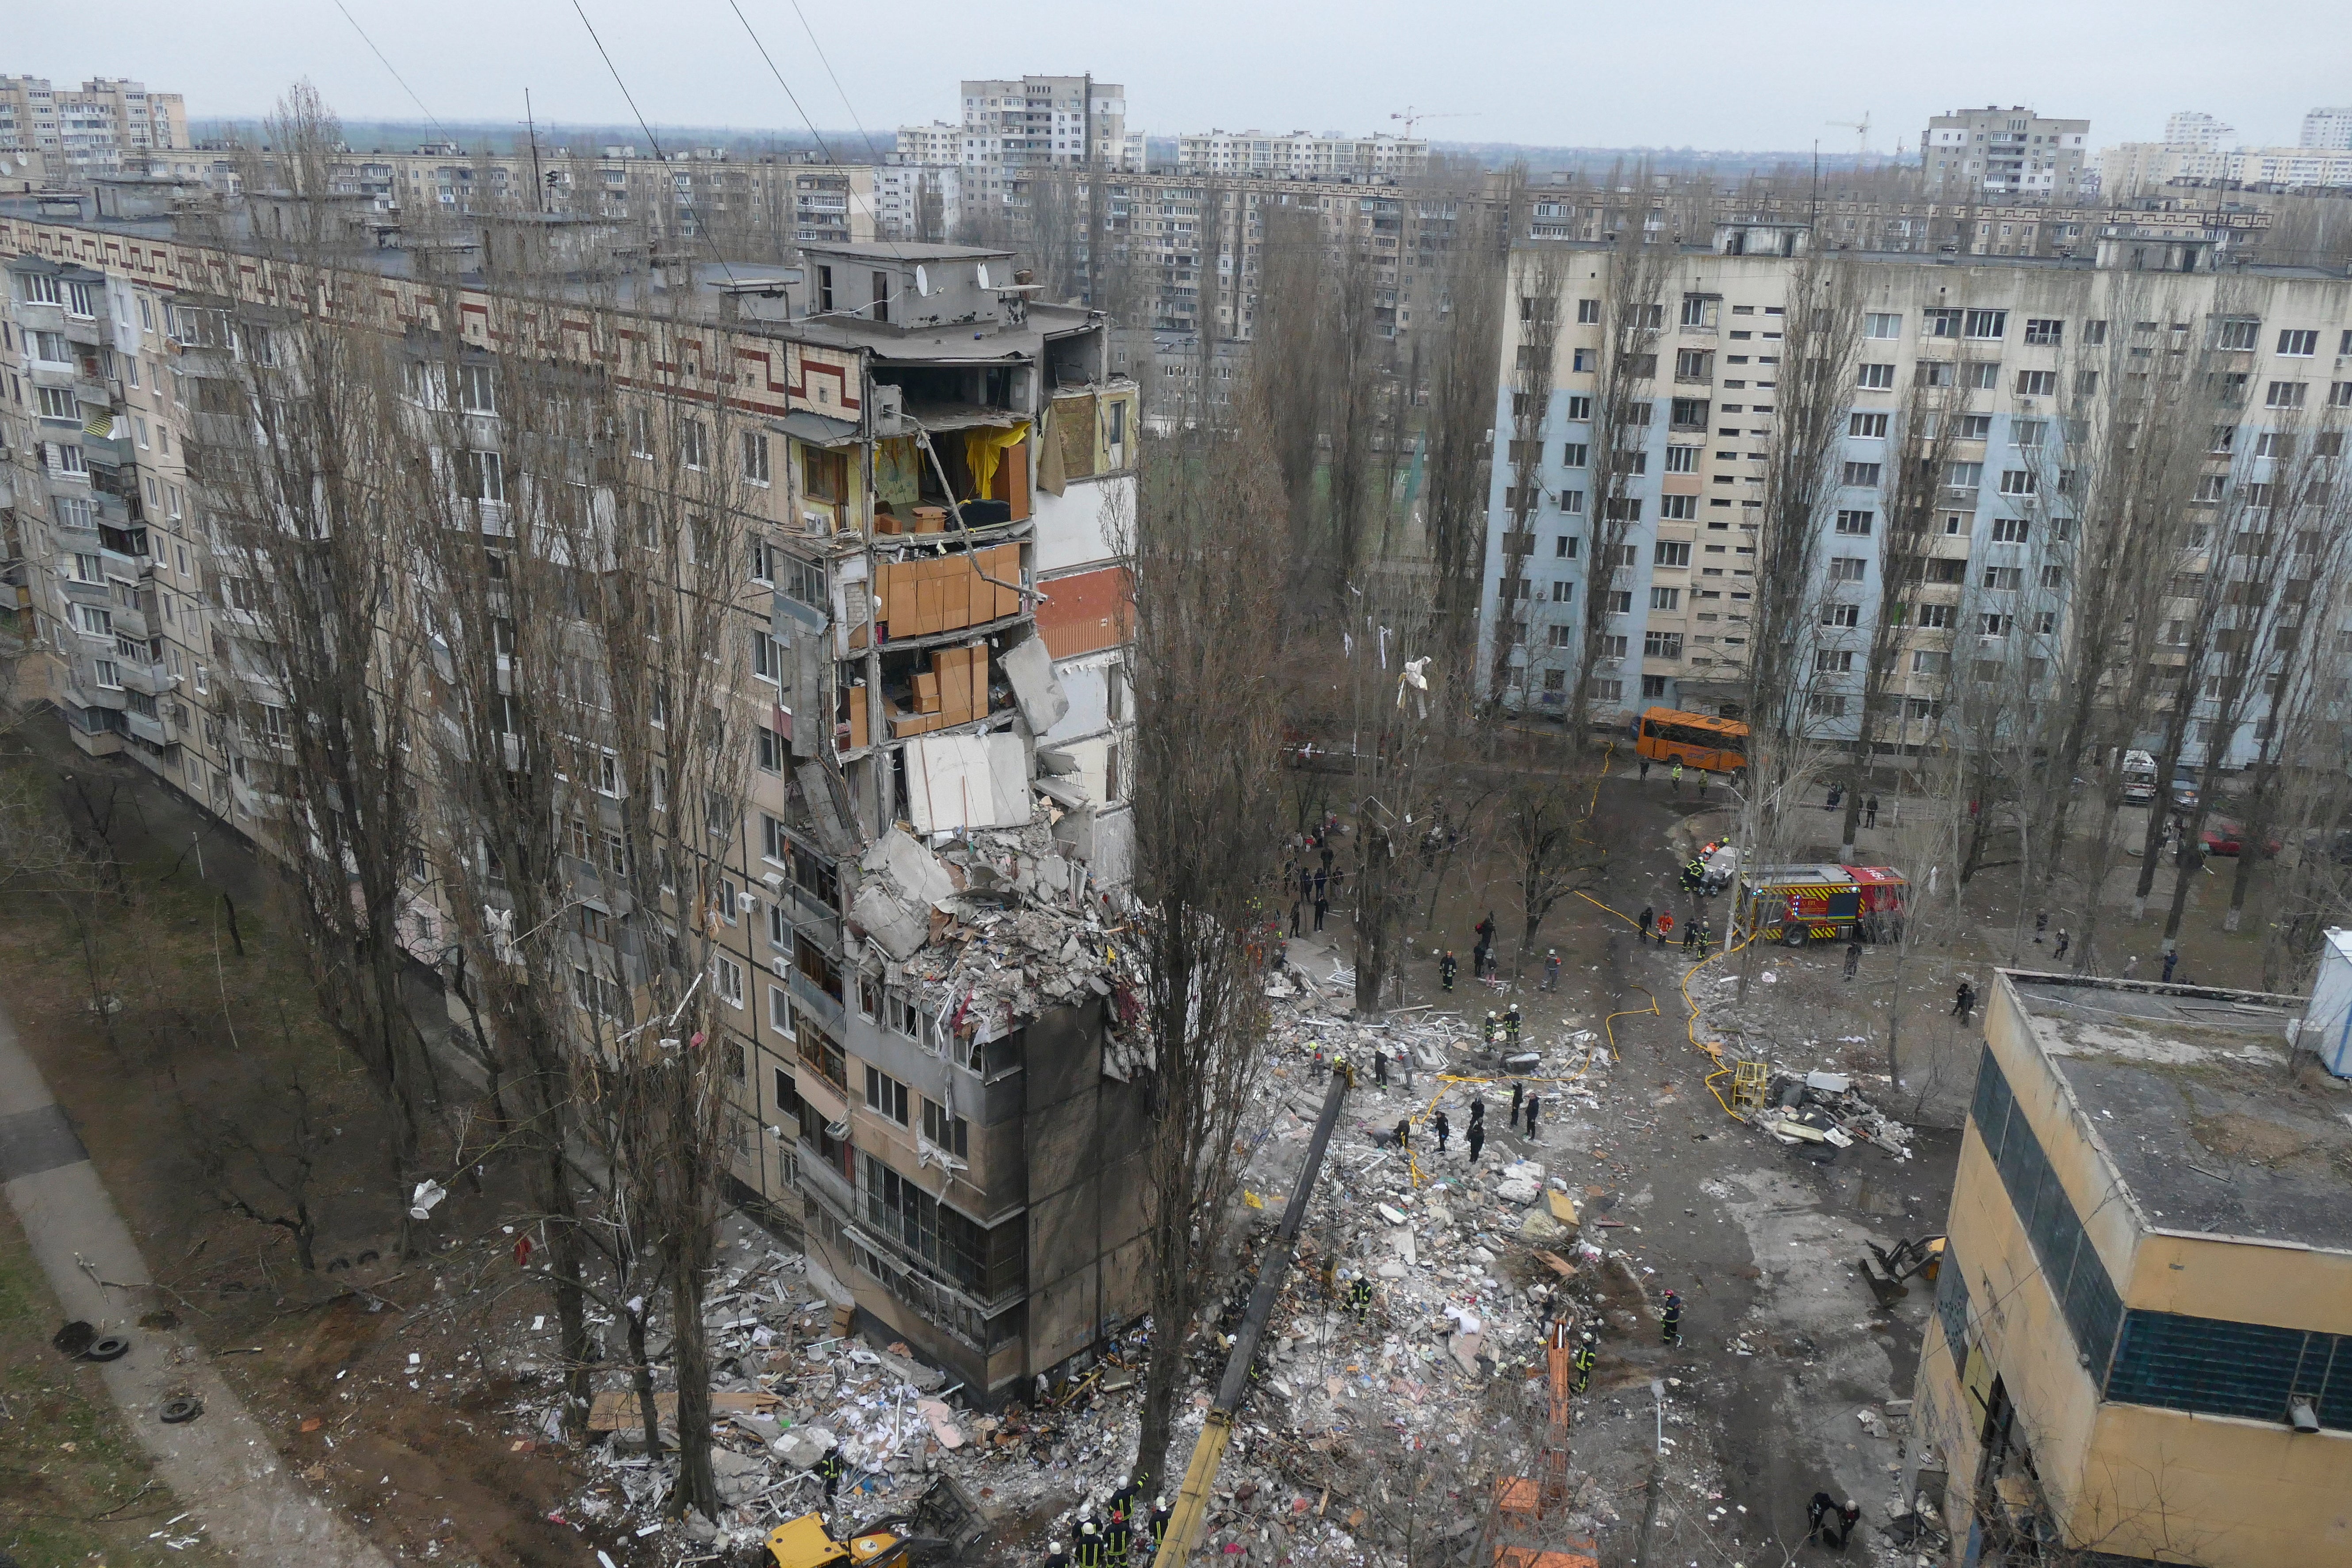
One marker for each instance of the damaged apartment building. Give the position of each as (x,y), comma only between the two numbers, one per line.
(926,1063)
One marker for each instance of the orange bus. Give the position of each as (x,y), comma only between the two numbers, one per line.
(1694,739)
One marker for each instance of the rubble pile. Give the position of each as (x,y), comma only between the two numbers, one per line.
(995,926)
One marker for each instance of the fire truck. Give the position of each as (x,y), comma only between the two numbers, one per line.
(1822,902)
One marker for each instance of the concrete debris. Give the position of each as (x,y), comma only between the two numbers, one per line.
(1029,668)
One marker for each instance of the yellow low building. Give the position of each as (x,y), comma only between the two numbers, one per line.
(2142,1347)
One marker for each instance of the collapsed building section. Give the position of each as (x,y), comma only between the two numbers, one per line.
(948,1100)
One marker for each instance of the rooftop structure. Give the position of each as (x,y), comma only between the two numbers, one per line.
(2142,1347)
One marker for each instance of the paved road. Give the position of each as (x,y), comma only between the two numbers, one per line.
(220,1465)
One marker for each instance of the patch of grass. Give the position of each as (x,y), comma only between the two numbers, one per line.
(75,1487)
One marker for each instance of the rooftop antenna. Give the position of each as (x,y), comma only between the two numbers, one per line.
(537,182)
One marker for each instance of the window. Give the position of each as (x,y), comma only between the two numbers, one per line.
(1829,705)
(949,1133)
(2028,433)
(1841,615)
(484,476)
(50,346)
(1987,323)
(1580,408)
(767,656)
(1682,460)
(1678,508)
(1932,372)
(2298,343)
(1848,568)
(1833,661)
(1614,645)
(1864,475)
(1963,477)
(1934,617)
(2086,383)
(1581,359)
(1875,377)
(1622,508)
(1695,365)
(1941,322)
(1870,426)
(780,1019)
(1854,522)
(1618,601)
(593,992)
(1882,324)
(2017,481)
(2009,530)
(1983,377)
(478,391)
(691,443)
(771,749)
(1588,313)
(2094,333)
(1996,624)
(608,775)
(2339,395)
(2004,577)
(2041,331)
(60,402)
(1665,599)
(94,621)
(886,1096)
(1574,455)
(1686,414)
(1564,547)
(2037,383)
(2054,576)
(1927,662)
(1698,310)
(1673,553)
(2284,395)
(755,457)
(1662,645)
(1572,502)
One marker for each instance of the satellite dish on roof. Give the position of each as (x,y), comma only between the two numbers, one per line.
(922,282)
(984,274)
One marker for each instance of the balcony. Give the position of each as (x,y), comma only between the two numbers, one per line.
(145,728)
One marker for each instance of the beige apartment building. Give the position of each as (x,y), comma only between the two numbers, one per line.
(933,656)
(1993,153)
(1300,157)
(2012,344)
(97,129)
(2141,1349)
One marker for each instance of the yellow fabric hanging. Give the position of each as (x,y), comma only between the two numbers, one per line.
(981,450)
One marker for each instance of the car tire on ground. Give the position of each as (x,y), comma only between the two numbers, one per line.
(107,1347)
(186,1407)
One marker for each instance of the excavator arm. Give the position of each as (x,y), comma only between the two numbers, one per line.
(1191,1514)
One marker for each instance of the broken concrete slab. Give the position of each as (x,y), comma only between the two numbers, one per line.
(877,912)
(1029,666)
(916,872)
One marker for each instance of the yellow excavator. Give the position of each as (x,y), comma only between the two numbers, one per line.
(1191,1514)
(941,1524)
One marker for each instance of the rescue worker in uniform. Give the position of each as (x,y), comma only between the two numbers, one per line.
(1116,1535)
(830,1470)
(1444,1128)
(1155,1530)
(1551,969)
(1518,1098)
(1447,968)
(1360,1299)
(1055,1556)
(1581,1359)
(1494,1029)
(1671,1319)
(1511,1025)
(1089,1554)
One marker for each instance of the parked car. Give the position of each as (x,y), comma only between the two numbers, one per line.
(2223,836)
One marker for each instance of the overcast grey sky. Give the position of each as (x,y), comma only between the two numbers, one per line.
(1702,73)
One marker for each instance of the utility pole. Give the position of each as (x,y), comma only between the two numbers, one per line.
(538,183)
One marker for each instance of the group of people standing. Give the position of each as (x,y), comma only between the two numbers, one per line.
(1313,880)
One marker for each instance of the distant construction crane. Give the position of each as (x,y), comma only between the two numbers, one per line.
(1861,128)
(1412,116)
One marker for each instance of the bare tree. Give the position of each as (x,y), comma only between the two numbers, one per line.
(310,518)
(1460,427)
(1632,318)
(1539,278)
(1207,578)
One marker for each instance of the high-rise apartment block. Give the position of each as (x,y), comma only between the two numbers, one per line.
(929,467)
(2193,128)
(1300,156)
(1012,127)
(89,131)
(2329,130)
(2021,351)
(2004,154)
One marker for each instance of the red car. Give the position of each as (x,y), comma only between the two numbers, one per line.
(2222,836)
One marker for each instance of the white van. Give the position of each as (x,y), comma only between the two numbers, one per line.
(2139,779)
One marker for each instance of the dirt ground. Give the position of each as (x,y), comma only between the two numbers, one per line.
(394,1387)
